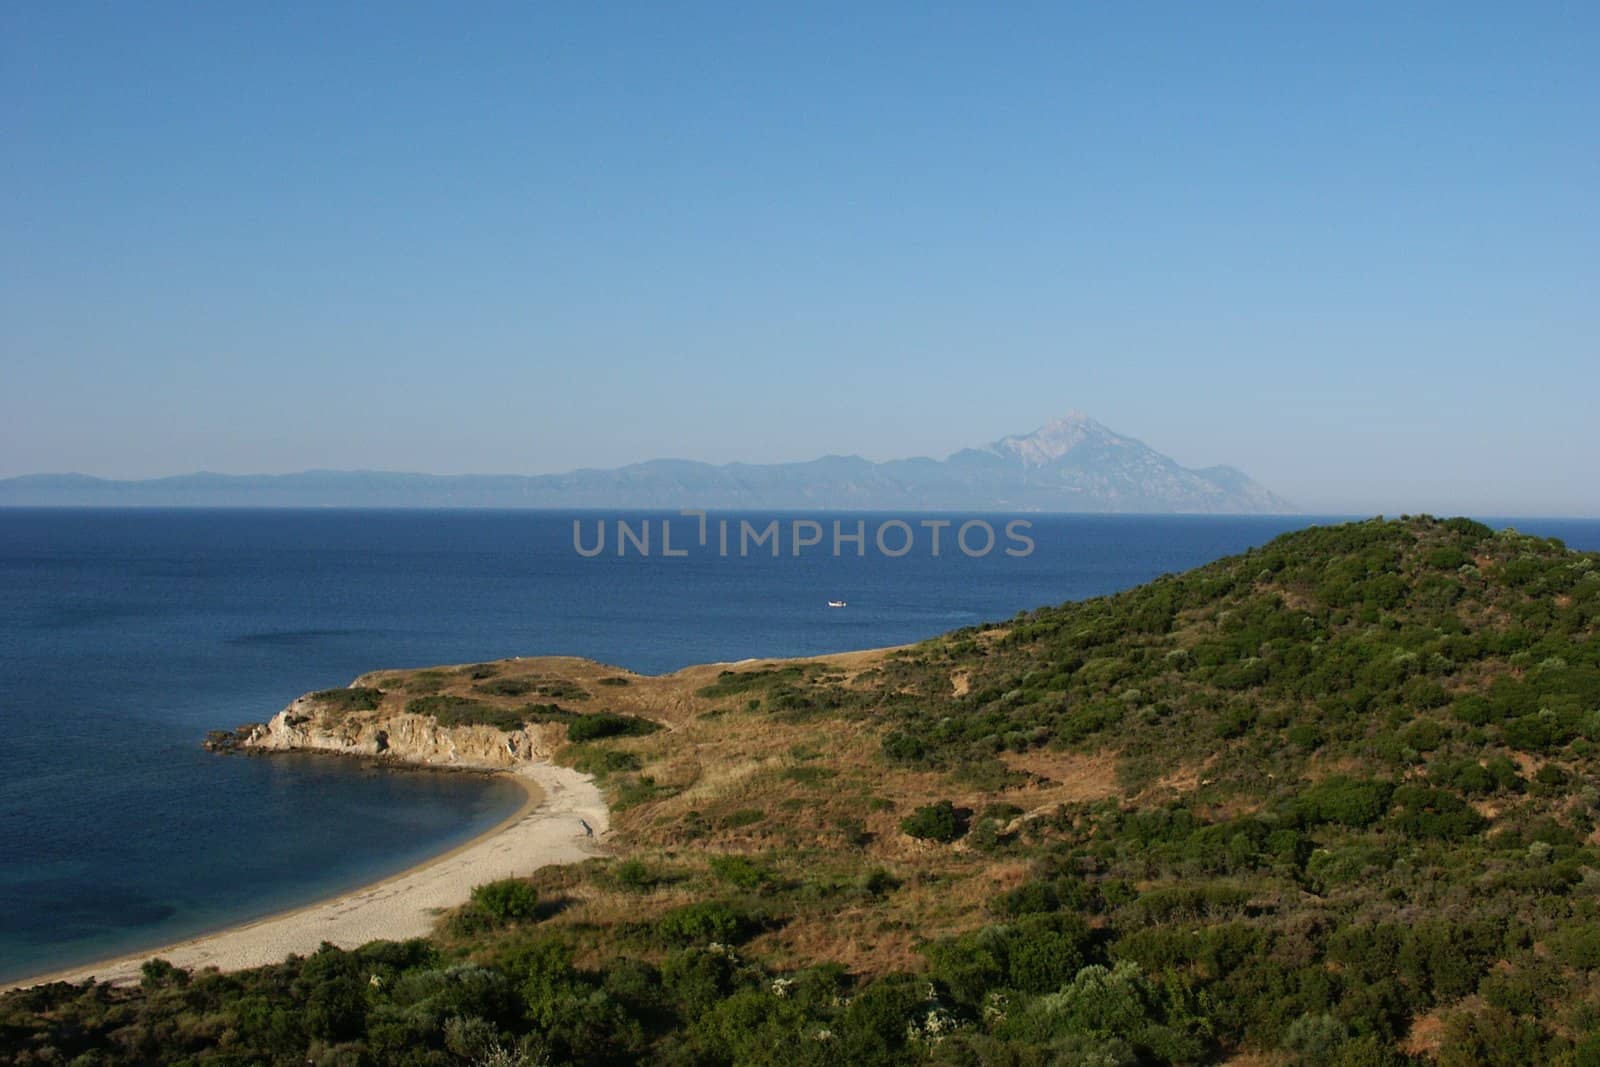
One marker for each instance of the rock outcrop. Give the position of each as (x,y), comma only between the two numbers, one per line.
(404,737)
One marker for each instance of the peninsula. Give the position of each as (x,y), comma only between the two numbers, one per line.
(1333,800)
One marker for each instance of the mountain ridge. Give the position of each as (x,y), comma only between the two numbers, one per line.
(1070,464)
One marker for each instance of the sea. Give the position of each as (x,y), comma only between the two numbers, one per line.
(125,635)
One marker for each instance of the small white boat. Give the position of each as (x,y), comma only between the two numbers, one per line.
(836,603)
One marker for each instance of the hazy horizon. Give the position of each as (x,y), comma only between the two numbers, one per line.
(1347,252)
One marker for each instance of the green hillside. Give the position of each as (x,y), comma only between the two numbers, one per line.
(1331,801)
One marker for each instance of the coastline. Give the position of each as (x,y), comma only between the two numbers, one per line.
(563,819)
(548,828)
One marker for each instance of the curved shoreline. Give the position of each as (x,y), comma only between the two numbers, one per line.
(552,826)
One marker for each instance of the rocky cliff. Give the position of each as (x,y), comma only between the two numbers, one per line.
(306,725)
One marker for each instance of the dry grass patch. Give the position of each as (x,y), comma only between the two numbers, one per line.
(1064,777)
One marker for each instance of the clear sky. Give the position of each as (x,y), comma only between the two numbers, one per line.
(1349,248)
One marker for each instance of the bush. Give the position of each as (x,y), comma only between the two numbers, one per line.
(934,822)
(1099,1002)
(1316,1039)
(705,921)
(507,900)
(740,871)
(1470,531)
(696,978)
(603,761)
(1423,811)
(635,876)
(449,711)
(1044,952)
(160,974)
(609,724)
(351,699)
(900,747)
(1346,801)
(546,713)
(505,687)
(1576,946)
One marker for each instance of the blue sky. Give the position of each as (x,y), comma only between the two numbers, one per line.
(1351,249)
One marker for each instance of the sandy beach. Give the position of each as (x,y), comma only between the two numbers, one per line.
(563,821)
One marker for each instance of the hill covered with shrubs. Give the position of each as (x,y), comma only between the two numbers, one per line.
(1335,800)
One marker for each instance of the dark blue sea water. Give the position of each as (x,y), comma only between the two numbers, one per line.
(126,635)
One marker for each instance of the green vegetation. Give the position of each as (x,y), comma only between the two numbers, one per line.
(935,822)
(506,687)
(424,682)
(449,710)
(1334,801)
(353,699)
(555,689)
(508,900)
(546,713)
(607,724)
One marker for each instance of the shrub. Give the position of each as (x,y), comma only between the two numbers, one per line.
(507,900)
(1448,558)
(934,822)
(160,974)
(1346,801)
(546,713)
(874,1025)
(708,920)
(601,762)
(1578,946)
(450,711)
(1470,530)
(609,724)
(1316,1039)
(562,690)
(1423,811)
(351,699)
(505,687)
(430,681)
(696,978)
(900,747)
(1044,952)
(1107,1003)
(635,876)
(740,871)
(879,882)
(336,1008)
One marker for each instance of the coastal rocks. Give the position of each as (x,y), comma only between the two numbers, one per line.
(402,736)
(231,740)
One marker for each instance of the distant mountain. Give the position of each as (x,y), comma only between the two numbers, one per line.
(1071,464)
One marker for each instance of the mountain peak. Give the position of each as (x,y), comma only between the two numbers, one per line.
(1070,464)
(1054,439)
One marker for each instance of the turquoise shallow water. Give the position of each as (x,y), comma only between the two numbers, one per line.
(126,635)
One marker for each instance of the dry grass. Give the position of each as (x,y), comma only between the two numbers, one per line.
(1425,1036)
(811,803)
